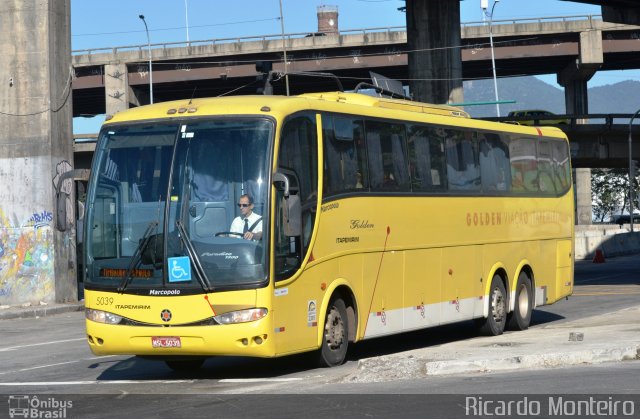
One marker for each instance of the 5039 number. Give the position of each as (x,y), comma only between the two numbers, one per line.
(104,301)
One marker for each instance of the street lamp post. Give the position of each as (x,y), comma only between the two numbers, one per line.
(284,49)
(186,18)
(146,28)
(484,5)
(631,171)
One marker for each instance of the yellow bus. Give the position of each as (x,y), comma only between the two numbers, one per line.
(369,217)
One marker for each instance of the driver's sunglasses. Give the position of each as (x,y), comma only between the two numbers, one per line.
(243,205)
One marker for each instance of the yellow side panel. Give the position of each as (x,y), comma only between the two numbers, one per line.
(564,270)
(461,277)
(297,308)
(423,277)
(384,272)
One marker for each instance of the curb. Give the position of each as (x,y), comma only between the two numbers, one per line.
(389,368)
(535,361)
(39,311)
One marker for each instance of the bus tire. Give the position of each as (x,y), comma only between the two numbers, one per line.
(335,339)
(494,323)
(520,317)
(191,365)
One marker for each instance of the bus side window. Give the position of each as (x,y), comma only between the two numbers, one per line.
(545,169)
(345,157)
(561,166)
(495,169)
(463,169)
(524,165)
(386,147)
(297,159)
(426,159)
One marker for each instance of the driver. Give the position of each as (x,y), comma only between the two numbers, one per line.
(248,224)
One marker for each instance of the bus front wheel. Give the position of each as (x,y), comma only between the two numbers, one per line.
(494,323)
(335,339)
(520,317)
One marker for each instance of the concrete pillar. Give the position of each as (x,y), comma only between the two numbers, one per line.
(574,78)
(116,86)
(583,196)
(434,67)
(37,263)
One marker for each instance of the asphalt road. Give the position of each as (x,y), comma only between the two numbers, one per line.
(49,356)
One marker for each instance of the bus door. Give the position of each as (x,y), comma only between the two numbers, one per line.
(296,297)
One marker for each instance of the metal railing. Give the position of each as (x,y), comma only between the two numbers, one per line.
(574,18)
(298,35)
(572,120)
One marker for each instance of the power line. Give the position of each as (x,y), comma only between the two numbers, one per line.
(179,27)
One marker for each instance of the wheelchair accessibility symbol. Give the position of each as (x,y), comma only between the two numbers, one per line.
(179,269)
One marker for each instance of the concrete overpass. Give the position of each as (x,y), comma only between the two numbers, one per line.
(107,80)
(617,11)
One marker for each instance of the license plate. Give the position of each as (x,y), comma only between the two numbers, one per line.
(166,342)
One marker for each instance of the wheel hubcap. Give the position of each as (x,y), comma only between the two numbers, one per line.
(497,304)
(334,329)
(523,301)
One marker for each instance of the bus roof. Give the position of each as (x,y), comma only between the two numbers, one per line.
(352,103)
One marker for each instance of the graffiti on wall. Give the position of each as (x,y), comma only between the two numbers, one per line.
(26,258)
(27,271)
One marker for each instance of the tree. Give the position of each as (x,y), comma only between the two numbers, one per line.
(609,192)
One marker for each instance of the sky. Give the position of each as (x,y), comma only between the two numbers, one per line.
(98,24)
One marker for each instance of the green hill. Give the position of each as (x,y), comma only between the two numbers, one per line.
(532,93)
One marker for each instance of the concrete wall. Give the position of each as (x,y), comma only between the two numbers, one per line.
(612,239)
(37,263)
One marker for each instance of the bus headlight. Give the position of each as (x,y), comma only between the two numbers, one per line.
(241,316)
(100,316)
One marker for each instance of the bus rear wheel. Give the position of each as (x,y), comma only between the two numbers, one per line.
(335,339)
(520,317)
(494,323)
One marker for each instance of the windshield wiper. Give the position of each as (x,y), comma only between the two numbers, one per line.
(200,273)
(137,255)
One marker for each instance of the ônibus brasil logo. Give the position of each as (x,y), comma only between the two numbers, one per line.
(34,407)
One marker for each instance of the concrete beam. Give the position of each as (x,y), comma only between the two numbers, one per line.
(116,85)
(575,76)
(617,14)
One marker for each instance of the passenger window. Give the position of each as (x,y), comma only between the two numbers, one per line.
(463,169)
(345,156)
(495,170)
(387,156)
(524,165)
(561,165)
(426,159)
(545,169)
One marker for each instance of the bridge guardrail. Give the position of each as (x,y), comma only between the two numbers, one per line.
(533,20)
(573,119)
(264,38)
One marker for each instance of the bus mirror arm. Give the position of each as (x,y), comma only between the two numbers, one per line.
(280,177)
(62,196)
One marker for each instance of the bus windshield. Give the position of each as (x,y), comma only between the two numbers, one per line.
(186,179)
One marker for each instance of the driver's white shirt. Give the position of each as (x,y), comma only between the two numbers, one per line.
(237,226)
